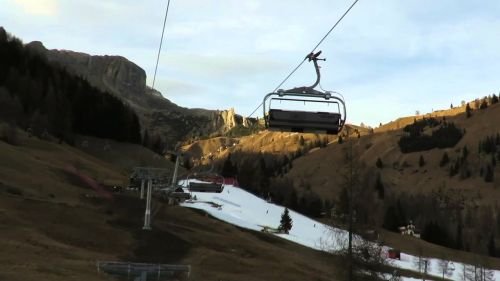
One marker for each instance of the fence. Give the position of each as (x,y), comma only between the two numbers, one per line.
(143,271)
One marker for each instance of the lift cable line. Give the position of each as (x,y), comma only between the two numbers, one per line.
(314,49)
(161,43)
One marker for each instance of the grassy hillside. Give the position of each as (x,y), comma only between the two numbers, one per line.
(455,194)
(54,227)
(402,171)
(268,142)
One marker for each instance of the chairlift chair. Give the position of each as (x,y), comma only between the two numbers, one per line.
(306,121)
(179,193)
(207,182)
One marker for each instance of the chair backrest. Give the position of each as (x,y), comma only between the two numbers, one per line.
(205,187)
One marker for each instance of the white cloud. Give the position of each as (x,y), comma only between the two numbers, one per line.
(222,66)
(388,57)
(39,7)
(179,88)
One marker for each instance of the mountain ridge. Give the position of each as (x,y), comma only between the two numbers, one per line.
(159,116)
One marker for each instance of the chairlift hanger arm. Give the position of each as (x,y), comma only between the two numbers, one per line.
(314,58)
(310,89)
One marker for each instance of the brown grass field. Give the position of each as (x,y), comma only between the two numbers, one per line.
(53,230)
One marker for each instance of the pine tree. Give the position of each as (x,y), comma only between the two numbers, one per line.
(494,99)
(157,144)
(421,161)
(468,110)
(459,245)
(465,152)
(488,176)
(391,219)
(444,160)
(455,167)
(492,251)
(484,104)
(286,222)
(301,141)
(187,163)
(379,186)
(145,139)
(294,200)
(343,202)
(379,163)
(228,168)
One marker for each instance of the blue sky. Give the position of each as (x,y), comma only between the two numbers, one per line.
(388,58)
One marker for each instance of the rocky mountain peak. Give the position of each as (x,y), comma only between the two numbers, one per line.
(127,81)
(111,73)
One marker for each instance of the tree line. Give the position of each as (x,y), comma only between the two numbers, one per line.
(446,135)
(262,174)
(45,98)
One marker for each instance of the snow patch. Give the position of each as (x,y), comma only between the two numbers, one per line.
(241,208)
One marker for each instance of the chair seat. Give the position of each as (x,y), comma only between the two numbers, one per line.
(304,121)
(180,195)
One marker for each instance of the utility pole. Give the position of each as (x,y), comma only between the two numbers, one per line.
(174,178)
(147,175)
(142,189)
(147,213)
(350,188)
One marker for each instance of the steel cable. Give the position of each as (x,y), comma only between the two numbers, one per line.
(314,49)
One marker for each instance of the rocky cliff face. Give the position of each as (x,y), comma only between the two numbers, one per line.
(127,81)
(111,73)
(226,120)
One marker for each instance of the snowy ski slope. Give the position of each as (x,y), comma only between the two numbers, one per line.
(238,207)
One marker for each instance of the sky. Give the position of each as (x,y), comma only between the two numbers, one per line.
(388,58)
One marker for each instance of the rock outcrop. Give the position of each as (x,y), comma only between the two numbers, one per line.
(111,73)
(226,120)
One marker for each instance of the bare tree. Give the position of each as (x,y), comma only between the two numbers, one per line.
(422,264)
(481,272)
(364,260)
(467,273)
(476,273)
(367,258)
(445,267)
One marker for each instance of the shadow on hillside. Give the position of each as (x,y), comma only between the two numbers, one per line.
(158,245)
